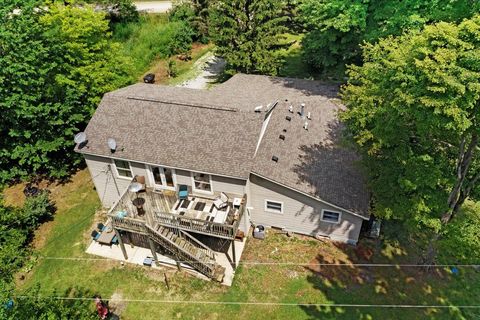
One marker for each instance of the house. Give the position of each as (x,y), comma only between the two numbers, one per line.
(269,147)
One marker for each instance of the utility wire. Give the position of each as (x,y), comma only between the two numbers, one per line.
(287,263)
(256,303)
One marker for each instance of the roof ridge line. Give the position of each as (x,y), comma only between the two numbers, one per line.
(184,104)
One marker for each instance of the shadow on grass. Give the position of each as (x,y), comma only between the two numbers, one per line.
(387,286)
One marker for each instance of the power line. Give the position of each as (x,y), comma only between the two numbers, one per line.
(256,303)
(286,263)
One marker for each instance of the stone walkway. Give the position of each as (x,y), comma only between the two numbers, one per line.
(207,70)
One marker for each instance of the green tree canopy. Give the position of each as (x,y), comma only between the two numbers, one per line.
(247,34)
(336,28)
(414,112)
(55,64)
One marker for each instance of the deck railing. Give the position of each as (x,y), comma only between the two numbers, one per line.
(207,268)
(151,217)
(128,224)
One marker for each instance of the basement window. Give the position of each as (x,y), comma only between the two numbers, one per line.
(273,206)
(123,168)
(330,216)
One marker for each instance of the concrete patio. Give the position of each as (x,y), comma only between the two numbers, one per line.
(136,255)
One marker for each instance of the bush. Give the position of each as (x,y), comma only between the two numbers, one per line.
(33,305)
(172,68)
(36,210)
(181,41)
(16,228)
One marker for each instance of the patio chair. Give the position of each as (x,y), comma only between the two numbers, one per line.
(221,201)
(101,227)
(95,235)
(182,192)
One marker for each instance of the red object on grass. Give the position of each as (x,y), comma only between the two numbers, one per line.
(101,308)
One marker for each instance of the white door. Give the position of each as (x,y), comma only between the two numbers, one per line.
(162,178)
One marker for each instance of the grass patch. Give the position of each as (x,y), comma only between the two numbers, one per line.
(185,69)
(305,282)
(147,43)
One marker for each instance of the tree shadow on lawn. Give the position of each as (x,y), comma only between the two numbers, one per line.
(394,285)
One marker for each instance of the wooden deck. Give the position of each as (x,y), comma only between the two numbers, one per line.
(159,216)
(158,207)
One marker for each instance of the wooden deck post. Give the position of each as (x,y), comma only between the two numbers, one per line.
(120,242)
(234,262)
(129,235)
(152,248)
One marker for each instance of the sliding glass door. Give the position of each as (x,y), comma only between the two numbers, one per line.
(163,178)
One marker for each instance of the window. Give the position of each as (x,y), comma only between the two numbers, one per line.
(202,182)
(330,216)
(123,168)
(273,206)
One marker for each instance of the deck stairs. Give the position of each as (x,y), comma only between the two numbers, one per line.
(187,249)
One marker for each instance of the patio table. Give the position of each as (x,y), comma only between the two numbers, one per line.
(106,236)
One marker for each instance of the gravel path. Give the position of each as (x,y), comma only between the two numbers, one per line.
(153,6)
(206,71)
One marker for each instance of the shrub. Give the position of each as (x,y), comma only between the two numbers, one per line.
(36,210)
(172,68)
(181,41)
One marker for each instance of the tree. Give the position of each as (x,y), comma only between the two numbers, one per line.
(336,28)
(414,112)
(55,63)
(195,13)
(247,34)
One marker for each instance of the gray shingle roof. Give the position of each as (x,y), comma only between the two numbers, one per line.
(217,131)
(203,139)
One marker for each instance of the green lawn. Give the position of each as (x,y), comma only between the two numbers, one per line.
(146,41)
(68,236)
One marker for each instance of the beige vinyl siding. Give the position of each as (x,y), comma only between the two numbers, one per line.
(301,214)
(183,177)
(107,183)
(218,183)
(107,189)
(228,185)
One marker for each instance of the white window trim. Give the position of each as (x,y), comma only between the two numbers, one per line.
(116,170)
(273,211)
(200,190)
(162,175)
(328,221)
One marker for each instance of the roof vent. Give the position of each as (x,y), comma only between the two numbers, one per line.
(290,109)
(309,115)
(282,137)
(288,118)
(305,125)
(275,158)
(258,109)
